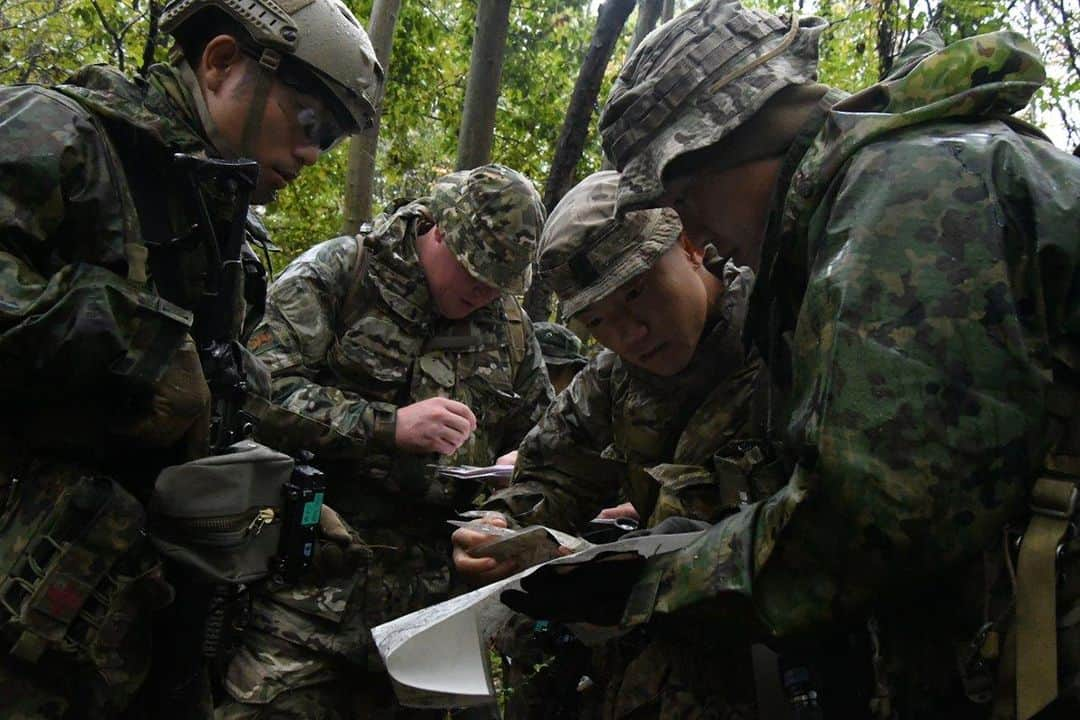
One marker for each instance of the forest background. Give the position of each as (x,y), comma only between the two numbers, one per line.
(546,44)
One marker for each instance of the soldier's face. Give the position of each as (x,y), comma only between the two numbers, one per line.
(655,320)
(282,144)
(728,209)
(455,292)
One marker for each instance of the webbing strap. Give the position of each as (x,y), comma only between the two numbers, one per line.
(515,313)
(268,64)
(1052,503)
(350,308)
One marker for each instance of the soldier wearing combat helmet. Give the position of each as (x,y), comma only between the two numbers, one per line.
(392,352)
(119,198)
(918,248)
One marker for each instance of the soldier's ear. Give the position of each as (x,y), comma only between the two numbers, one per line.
(220,58)
(691,251)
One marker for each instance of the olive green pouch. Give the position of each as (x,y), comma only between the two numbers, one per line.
(220,516)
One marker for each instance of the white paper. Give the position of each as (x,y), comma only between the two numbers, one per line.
(438,657)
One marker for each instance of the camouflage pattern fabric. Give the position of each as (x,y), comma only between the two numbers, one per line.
(559,345)
(918,275)
(336,387)
(688,87)
(93,314)
(491,217)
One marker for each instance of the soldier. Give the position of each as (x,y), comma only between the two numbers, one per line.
(116,204)
(645,418)
(562,353)
(390,353)
(918,250)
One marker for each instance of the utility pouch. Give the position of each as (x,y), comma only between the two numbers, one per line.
(74,575)
(221,516)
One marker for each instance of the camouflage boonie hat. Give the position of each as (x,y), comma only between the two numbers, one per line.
(586,252)
(693,81)
(491,218)
(559,345)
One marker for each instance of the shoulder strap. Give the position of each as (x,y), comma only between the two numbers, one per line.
(516,317)
(349,310)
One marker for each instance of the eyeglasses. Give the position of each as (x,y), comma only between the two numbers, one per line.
(321,125)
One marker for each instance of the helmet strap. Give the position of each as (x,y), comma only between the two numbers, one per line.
(210,128)
(268,64)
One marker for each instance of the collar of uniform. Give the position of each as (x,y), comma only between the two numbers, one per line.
(155,106)
(770,263)
(396,268)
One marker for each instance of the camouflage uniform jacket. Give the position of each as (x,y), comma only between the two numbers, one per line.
(102,271)
(617,428)
(919,274)
(94,301)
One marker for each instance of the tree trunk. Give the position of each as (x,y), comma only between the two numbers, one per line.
(668,12)
(571,143)
(482,91)
(361,174)
(153,15)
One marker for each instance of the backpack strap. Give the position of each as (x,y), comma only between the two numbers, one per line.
(349,310)
(1053,503)
(516,317)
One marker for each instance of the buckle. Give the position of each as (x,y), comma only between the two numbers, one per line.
(1054,498)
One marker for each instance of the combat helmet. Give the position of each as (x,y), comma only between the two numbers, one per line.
(323,35)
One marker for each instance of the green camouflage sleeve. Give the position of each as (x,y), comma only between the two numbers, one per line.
(76,319)
(532,385)
(917,409)
(561,479)
(293,341)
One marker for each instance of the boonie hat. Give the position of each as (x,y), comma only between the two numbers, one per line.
(694,80)
(559,345)
(491,218)
(586,252)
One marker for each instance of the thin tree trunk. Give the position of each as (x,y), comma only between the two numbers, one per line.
(668,12)
(648,13)
(575,129)
(361,174)
(154,14)
(482,92)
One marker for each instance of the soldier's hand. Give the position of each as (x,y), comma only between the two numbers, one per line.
(436,425)
(178,408)
(341,551)
(626,510)
(483,570)
(509,458)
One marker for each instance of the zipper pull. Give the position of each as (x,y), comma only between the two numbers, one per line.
(264,516)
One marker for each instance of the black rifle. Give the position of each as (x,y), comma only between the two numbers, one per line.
(219,317)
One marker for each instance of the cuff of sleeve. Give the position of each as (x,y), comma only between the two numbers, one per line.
(642,599)
(384,426)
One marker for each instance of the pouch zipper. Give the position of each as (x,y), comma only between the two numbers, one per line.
(225,529)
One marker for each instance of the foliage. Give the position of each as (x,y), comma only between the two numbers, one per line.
(44,40)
